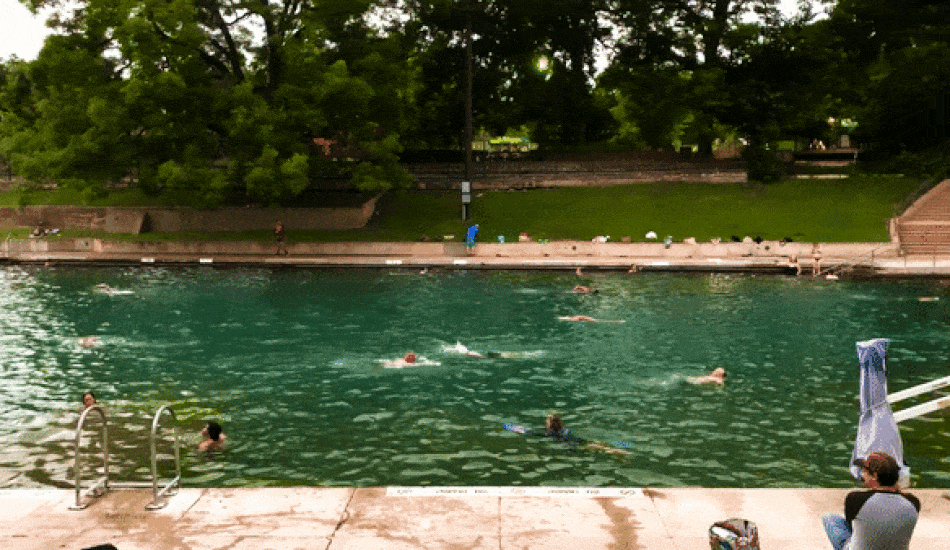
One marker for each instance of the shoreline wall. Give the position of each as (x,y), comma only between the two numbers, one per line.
(557,249)
(137,220)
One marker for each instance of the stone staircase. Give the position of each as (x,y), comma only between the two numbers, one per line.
(924,229)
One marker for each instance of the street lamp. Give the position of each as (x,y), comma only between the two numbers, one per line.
(467,184)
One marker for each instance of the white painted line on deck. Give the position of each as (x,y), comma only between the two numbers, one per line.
(393,262)
(459,262)
(205,260)
(583,492)
(552,262)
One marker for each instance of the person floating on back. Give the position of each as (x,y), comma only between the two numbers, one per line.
(880,518)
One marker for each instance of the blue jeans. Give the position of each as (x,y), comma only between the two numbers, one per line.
(839,532)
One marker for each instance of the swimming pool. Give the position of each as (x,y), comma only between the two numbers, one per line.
(289,362)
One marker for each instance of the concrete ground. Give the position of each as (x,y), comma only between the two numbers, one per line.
(866,259)
(433,518)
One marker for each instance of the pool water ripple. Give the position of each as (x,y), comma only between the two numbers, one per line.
(290,363)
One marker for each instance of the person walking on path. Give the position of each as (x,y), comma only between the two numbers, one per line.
(280,235)
(880,518)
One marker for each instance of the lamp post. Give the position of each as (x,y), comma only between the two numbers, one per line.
(467,184)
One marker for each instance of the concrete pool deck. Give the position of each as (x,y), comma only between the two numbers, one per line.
(433,518)
(866,259)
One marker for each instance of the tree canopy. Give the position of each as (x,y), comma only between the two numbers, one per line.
(261,99)
(215,96)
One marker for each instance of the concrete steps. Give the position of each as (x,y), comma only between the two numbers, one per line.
(924,229)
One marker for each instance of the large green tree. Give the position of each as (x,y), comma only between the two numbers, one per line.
(215,97)
(898,54)
(534,62)
(672,61)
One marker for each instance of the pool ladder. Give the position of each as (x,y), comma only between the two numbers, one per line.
(101,486)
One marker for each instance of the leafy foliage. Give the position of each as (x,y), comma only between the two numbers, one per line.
(220,97)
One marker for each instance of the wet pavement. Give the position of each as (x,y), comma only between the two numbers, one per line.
(433,518)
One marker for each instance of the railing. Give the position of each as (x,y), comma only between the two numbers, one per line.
(102,485)
(170,487)
(851,262)
(924,408)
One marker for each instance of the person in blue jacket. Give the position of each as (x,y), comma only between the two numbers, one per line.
(470,237)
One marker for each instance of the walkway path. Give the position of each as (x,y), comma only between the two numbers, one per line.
(880,259)
(433,518)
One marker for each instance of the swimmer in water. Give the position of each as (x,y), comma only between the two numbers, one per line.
(584,318)
(460,348)
(89,341)
(88,400)
(212,438)
(581,289)
(717,376)
(406,360)
(589,319)
(555,429)
(103,288)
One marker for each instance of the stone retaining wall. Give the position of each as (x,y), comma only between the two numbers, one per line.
(523,174)
(171,220)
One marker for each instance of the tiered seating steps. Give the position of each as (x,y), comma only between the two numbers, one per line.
(924,229)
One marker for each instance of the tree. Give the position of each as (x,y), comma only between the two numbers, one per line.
(510,37)
(899,54)
(215,97)
(678,53)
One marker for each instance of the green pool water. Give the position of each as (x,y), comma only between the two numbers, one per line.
(289,362)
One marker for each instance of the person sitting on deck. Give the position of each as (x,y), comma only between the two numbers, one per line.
(880,518)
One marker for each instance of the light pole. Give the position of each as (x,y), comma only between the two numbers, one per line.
(467,184)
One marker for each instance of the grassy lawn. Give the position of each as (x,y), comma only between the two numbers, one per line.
(849,210)
(855,209)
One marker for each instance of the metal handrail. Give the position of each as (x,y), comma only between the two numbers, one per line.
(102,482)
(924,408)
(157,501)
(852,261)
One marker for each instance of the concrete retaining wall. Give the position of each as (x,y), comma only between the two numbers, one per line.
(561,249)
(524,174)
(171,220)
(231,248)
(802,251)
